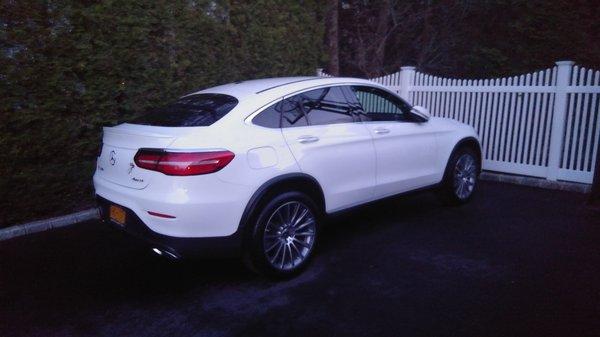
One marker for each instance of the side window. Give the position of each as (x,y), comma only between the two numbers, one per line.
(325,106)
(292,114)
(355,105)
(314,107)
(379,105)
(285,113)
(269,118)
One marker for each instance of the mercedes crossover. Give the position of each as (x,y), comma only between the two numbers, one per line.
(253,168)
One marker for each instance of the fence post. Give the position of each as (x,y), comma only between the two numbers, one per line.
(563,80)
(407,76)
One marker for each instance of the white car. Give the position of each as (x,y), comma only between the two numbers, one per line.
(252,167)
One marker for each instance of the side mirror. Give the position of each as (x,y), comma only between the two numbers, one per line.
(421,113)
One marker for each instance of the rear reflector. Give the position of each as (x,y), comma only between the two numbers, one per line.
(182,163)
(160,215)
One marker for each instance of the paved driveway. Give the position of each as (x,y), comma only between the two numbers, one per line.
(517,261)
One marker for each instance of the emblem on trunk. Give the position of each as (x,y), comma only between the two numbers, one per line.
(113,159)
(131,166)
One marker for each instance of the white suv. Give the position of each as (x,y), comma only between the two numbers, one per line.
(251,167)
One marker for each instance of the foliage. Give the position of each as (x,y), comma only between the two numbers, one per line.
(466,38)
(69,67)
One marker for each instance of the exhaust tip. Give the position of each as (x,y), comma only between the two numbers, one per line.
(165,253)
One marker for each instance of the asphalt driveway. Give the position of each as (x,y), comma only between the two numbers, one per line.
(517,261)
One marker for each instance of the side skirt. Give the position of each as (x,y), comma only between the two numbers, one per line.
(393,196)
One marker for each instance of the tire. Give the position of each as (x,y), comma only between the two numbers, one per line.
(461,177)
(281,238)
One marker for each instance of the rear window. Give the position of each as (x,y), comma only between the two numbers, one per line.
(192,110)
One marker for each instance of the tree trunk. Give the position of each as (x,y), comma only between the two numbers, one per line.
(332,37)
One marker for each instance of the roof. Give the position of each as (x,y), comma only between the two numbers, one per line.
(257,87)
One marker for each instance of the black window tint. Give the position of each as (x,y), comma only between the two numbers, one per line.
(270,117)
(379,105)
(324,106)
(314,107)
(331,107)
(192,110)
(291,113)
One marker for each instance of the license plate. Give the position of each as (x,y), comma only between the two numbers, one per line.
(117,214)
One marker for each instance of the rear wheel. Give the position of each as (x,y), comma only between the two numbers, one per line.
(461,176)
(283,235)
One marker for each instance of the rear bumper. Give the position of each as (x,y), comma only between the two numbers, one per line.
(202,206)
(222,246)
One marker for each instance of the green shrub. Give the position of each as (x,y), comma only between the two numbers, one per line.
(69,67)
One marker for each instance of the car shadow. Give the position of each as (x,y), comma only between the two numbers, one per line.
(92,262)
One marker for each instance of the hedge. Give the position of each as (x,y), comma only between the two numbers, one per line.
(69,67)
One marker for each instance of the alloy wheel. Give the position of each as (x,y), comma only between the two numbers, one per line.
(289,235)
(465,175)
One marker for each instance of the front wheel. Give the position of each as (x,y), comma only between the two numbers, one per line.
(283,237)
(461,177)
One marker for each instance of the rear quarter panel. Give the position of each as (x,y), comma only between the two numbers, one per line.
(260,153)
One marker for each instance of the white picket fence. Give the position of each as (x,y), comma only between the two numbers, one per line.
(543,124)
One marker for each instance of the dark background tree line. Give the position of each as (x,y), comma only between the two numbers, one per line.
(463,38)
(68,67)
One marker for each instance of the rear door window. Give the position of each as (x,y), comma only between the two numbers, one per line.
(315,107)
(192,110)
(325,106)
(292,114)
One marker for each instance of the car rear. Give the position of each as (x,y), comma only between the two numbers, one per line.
(158,177)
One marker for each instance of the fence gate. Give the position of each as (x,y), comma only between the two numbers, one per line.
(543,124)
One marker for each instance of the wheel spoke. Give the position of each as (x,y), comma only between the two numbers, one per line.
(274,259)
(277,243)
(297,250)
(308,233)
(302,243)
(290,254)
(281,216)
(302,215)
(295,213)
(288,213)
(309,222)
(283,256)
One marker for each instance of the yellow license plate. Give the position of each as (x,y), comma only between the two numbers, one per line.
(117,214)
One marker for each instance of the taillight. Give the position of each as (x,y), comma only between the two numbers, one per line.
(182,163)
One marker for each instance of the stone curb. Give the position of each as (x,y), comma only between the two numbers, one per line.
(47,224)
(535,182)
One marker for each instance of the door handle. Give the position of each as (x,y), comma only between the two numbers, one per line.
(381,131)
(307,139)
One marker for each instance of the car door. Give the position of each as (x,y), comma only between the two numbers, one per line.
(405,147)
(330,144)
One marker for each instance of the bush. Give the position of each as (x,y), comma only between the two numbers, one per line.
(69,67)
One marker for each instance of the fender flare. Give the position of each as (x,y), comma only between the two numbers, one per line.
(460,144)
(258,195)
